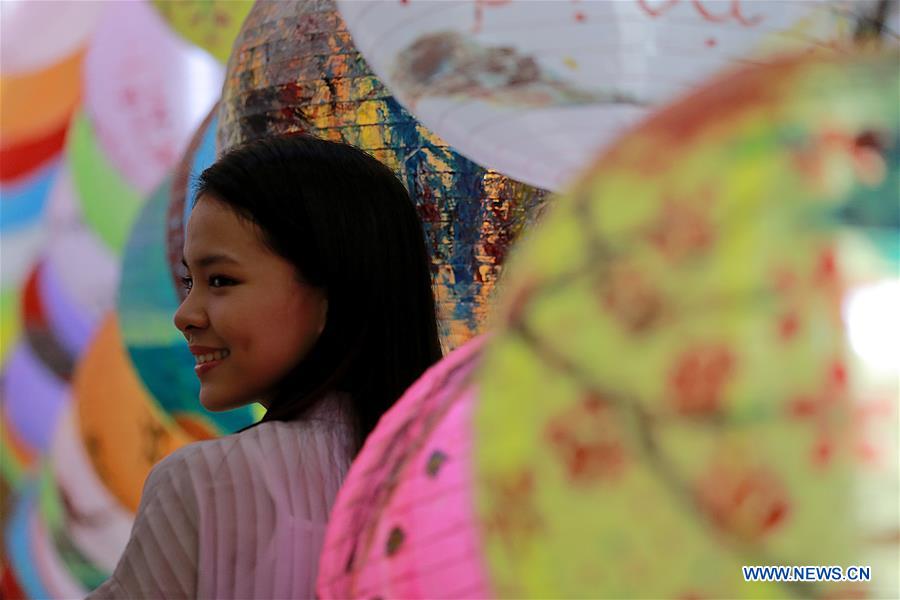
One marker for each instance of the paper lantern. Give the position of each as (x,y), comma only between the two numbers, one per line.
(211,25)
(9,313)
(20,248)
(294,68)
(56,573)
(38,35)
(16,457)
(109,203)
(53,516)
(33,397)
(39,103)
(147,302)
(404,524)
(9,586)
(123,430)
(39,335)
(98,525)
(19,160)
(671,395)
(145,91)
(535,89)
(24,198)
(79,274)
(21,242)
(17,542)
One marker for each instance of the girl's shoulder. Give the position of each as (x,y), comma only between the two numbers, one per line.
(268,454)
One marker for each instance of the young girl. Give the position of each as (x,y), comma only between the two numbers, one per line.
(309,292)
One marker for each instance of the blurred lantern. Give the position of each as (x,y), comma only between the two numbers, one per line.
(39,335)
(679,360)
(19,250)
(109,204)
(9,586)
(33,397)
(294,68)
(159,352)
(37,104)
(58,571)
(94,520)
(404,524)
(21,241)
(24,198)
(211,24)
(78,277)
(145,91)
(16,457)
(670,394)
(20,160)
(535,89)
(123,430)
(38,35)
(65,560)
(17,541)
(10,323)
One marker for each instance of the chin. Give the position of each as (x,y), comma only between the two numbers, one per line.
(214,402)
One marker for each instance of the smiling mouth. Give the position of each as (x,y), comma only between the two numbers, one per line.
(210,360)
(211,356)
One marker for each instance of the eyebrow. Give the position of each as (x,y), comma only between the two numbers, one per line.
(211,259)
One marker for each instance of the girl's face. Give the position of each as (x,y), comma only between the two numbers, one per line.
(247,317)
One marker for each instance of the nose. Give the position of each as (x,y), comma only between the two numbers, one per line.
(191,315)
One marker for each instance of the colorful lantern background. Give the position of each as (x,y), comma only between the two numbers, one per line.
(101,137)
(97,186)
(99,100)
(673,389)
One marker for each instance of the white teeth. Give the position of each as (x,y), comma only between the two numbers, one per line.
(217,355)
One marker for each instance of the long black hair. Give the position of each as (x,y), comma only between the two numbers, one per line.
(348,225)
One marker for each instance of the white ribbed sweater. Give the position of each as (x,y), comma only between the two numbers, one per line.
(242,516)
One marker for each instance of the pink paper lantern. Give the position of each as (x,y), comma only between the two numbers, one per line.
(404,523)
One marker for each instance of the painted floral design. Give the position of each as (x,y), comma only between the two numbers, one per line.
(699,377)
(632,299)
(749,502)
(682,229)
(586,439)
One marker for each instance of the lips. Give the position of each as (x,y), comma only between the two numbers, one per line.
(208,357)
(195,349)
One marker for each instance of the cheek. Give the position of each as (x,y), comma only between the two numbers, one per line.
(279,332)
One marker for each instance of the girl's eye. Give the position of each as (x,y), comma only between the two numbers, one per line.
(187,283)
(220,281)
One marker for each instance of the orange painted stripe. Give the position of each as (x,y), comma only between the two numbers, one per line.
(35,105)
